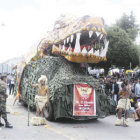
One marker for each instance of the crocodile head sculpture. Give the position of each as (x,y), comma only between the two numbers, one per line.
(80,40)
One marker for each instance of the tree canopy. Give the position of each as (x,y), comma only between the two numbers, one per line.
(121,50)
(128,23)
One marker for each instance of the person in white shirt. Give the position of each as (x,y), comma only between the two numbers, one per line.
(12,85)
(137,89)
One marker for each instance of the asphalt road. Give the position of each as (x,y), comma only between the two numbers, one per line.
(101,129)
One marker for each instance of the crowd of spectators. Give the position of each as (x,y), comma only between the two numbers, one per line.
(112,85)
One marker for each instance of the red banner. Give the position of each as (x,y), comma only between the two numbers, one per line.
(84,103)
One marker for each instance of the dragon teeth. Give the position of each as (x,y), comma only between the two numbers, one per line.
(98,33)
(77,44)
(91,51)
(72,36)
(60,46)
(64,42)
(105,41)
(69,45)
(96,53)
(68,40)
(101,50)
(90,34)
(63,48)
(84,51)
(103,53)
(106,45)
(68,49)
(101,36)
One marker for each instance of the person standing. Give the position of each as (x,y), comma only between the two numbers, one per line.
(114,91)
(137,89)
(43,94)
(41,99)
(3,96)
(12,85)
(123,105)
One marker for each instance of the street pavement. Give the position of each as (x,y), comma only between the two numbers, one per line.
(101,129)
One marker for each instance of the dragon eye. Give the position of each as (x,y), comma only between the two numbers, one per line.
(57,26)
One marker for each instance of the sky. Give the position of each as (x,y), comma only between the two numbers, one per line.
(23,23)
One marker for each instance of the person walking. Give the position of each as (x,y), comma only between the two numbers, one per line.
(3,96)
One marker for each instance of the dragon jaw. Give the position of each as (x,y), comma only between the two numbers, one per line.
(80,40)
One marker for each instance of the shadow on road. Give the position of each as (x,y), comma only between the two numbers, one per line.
(71,121)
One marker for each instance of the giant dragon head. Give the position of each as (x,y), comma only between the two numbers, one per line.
(80,40)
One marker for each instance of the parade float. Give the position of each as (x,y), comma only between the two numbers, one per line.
(60,56)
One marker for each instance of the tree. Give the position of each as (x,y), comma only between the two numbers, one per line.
(138,48)
(128,23)
(121,50)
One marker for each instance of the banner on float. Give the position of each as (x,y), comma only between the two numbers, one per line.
(84,101)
